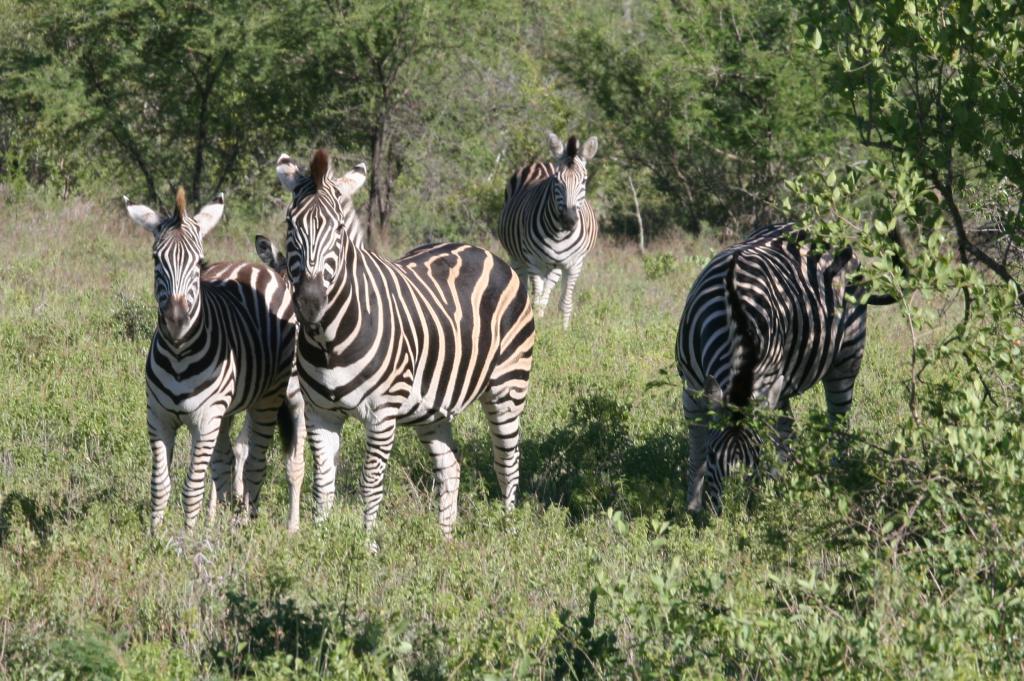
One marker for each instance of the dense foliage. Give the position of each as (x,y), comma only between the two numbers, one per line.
(702,108)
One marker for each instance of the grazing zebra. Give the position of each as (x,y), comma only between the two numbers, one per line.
(547,225)
(225,342)
(412,341)
(766,320)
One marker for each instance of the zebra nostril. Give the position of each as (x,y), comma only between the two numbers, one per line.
(569,216)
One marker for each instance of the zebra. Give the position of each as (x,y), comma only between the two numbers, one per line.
(224,343)
(766,319)
(412,341)
(547,226)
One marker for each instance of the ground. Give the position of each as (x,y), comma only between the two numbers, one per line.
(599,571)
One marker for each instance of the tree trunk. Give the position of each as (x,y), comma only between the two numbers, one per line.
(381,182)
(639,217)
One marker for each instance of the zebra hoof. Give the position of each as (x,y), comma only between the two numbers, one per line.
(372,547)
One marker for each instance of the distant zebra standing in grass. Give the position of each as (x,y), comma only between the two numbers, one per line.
(547,225)
(765,321)
(225,343)
(412,341)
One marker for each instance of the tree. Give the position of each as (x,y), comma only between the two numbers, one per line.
(941,82)
(178,92)
(710,99)
(376,64)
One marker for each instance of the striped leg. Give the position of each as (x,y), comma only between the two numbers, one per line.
(537,286)
(568,292)
(784,431)
(204,439)
(840,379)
(696,412)
(380,438)
(437,438)
(324,430)
(295,464)
(251,452)
(221,467)
(542,296)
(161,442)
(503,409)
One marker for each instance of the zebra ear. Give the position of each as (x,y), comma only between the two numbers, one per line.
(350,182)
(210,215)
(589,149)
(269,254)
(556,145)
(288,172)
(143,216)
(713,392)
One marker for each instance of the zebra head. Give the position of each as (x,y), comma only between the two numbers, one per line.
(320,222)
(177,260)
(569,183)
(730,440)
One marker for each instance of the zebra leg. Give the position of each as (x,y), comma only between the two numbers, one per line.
(716,472)
(696,412)
(568,292)
(544,294)
(324,430)
(204,439)
(380,438)
(295,463)
(537,285)
(258,432)
(839,382)
(221,467)
(784,432)
(437,438)
(161,442)
(503,410)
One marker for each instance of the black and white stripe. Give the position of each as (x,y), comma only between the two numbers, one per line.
(412,341)
(765,320)
(547,225)
(224,344)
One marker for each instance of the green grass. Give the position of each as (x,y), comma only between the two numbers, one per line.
(85,591)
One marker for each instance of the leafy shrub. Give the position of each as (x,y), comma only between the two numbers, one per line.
(133,317)
(660,265)
(594,462)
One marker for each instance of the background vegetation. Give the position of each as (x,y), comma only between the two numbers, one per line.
(896,126)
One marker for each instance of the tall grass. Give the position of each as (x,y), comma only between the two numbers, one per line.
(598,571)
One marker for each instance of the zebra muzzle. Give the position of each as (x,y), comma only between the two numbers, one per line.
(310,299)
(569,216)
(175,317)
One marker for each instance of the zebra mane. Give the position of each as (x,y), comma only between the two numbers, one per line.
(319,167)
(571,148)
(744,345)
(180,205)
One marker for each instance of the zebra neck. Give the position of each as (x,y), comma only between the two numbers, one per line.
(357,302)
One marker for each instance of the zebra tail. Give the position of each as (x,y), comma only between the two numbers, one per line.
(287,428)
